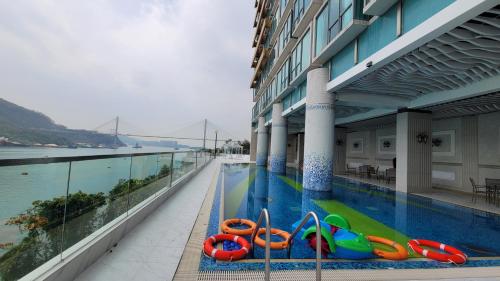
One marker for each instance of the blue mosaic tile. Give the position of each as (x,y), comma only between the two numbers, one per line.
(318,172)
(277,163)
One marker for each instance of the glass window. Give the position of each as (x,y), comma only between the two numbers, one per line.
(295,96)
(283,77)
(285,33)
(340,15)
(300,57)
(299,8)
(321,31)
(302,88)
(286,102)
(306,50)
(283,6)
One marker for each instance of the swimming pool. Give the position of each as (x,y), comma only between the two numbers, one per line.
(244,189)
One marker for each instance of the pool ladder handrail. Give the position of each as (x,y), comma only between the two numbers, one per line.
(318,240)
(264,214)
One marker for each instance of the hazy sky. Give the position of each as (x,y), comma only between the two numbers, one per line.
(159,65)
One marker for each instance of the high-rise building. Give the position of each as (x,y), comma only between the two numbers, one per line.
(409,87)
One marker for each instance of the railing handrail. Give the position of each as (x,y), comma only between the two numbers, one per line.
(264,214)
(318,240)
(60,159)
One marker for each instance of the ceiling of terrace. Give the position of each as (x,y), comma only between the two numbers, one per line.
(462,56)
(471,106)
(483,104)
(296,120)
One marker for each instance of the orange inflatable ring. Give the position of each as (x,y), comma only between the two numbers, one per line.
(452,255)
(225,226)
(211,251)
(400,254)
(274,245)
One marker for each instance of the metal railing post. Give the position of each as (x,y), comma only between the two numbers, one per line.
(172,169)
(318,240)
(264,214)
(65,209)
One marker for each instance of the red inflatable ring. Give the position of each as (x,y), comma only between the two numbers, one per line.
(452,255)
(211,251)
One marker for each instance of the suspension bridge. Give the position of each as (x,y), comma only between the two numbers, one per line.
(203,133)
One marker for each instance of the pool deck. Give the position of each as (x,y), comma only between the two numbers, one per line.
(167,246)
(153,249)
(450,196)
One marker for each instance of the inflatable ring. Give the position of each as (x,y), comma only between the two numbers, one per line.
(274,245)
(247,231)
(400,254)
(211,251)
(452,255)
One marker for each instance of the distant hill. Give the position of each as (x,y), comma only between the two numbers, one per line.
(25,127)
(162,143)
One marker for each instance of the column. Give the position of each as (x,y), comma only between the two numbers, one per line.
(414,151)
(340,150)
(470,151)
(253,144)
(261,158)
(319,132)
(300,151)
(278,140)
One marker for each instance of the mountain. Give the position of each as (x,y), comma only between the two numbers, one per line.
(22,126)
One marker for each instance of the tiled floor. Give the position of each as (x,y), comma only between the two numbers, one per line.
(153,249)
(459,198)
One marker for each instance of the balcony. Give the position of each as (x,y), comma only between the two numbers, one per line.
(260,64)
(305,20)
(344,37)
(258,44)
(377,7)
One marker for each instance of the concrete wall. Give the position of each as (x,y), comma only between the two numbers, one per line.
(291,151)
(373,151)
(470,147)
(489,146)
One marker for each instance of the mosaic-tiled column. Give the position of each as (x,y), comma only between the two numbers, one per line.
(278,140)
(319,132)
(261,159)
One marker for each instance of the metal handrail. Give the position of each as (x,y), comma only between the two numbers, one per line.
(60,159)
(318,240)
(264,214)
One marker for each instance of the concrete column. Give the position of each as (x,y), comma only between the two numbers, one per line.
(253,144)
(278,140)
(339,152)
(300,151)
(413,158)
(319,132)
(470,151)
(261,157)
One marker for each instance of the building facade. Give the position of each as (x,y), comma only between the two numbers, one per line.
(353,82)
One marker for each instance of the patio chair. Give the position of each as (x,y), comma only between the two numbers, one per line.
(390,174)
(477,190)
(373,172)
(380,174)
(493,190)
(364,170)
(350,170)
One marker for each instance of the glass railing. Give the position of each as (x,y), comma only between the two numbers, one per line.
(48,206)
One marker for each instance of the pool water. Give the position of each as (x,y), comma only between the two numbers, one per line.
(244,189)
